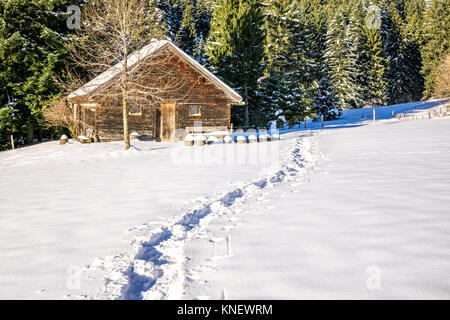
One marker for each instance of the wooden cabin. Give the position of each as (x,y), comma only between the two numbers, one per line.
(196,95)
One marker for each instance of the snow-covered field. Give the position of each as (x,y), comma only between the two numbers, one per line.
(63,206)
(358,210)
(368,217)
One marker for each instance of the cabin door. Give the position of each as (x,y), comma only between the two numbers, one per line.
(88,120)
(167,121)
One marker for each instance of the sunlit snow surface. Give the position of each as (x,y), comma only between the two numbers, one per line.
(357,210)
(371,220)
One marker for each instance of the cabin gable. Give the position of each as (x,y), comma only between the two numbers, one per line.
(199,98)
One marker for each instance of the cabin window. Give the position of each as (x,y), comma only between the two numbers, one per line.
(135,111)
(195,111)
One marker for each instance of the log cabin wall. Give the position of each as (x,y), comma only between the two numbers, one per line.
(109,123)
(217,115)
(199,92)
(193,90)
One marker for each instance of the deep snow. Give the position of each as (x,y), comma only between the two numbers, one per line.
(61,207)
(93,221)
(371,220)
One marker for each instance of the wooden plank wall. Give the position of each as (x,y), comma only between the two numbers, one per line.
(192,90)
(110,124)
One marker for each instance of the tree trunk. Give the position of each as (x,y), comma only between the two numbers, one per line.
(126,136)
(246,113)
(12,142)
(30,134)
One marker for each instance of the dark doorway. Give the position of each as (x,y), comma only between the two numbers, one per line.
(157,125)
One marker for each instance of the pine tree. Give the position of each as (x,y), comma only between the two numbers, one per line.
(324,99)
(371,62)
(401,43)
(375,94)
(235,49)
(414,35)
(32,36)
(204,12)
(187,35)
(278,84)
(302,62)
(341,58)
(437,46)
(188,23)
(172,11)
(296,83)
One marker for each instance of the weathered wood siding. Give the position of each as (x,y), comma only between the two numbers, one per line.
(198,91)
(109,122)
(194,90)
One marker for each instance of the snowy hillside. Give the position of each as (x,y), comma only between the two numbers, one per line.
(367,217)
(357,210)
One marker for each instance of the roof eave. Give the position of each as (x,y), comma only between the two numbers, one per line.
(234,97)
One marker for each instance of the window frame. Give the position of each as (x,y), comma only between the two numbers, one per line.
(130,113)
(199,111)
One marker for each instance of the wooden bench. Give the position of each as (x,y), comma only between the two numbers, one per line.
(219,132)
(193,130)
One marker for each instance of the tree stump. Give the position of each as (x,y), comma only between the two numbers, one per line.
(199,141)
(64,139)
(241,139)
(134,136)
(227,139)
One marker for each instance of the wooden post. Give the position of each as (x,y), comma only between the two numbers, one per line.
(75,120)
(374,117)
(305,123)
(393,114)
(322,120)
(12,142)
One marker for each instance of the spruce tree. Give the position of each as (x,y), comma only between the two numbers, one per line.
(296,83)
(303,61)
(187,35)
(188,23)
(323,96)
(172,11)
(414,35)
(371,62)
(235,49)
(401,46)
(437,46)
(280,84)
(375,94)
(32,37)
(341,58)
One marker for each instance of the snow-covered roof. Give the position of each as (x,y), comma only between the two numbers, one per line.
(152,48)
